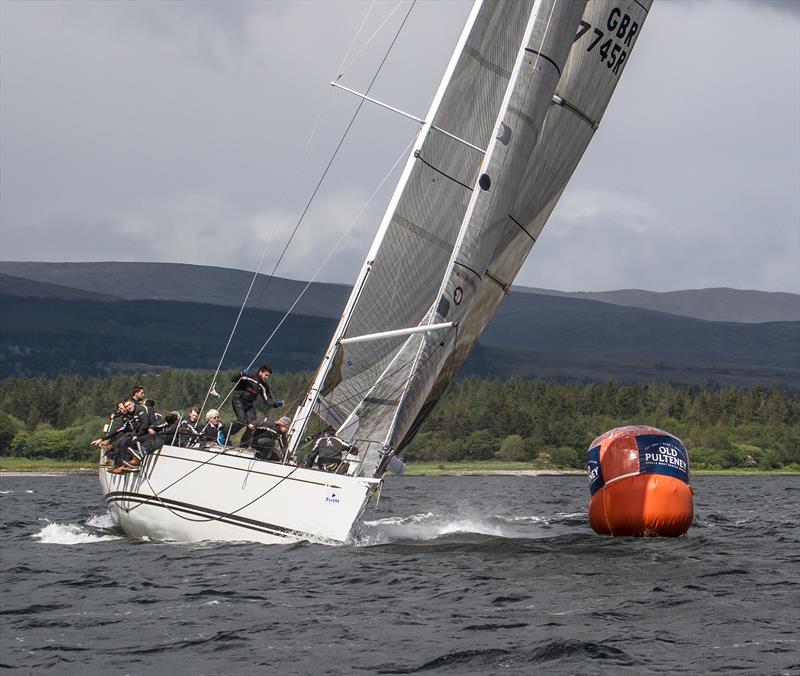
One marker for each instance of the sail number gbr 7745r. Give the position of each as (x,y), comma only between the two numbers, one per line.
(618,27)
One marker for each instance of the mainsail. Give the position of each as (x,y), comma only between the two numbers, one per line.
(521,98)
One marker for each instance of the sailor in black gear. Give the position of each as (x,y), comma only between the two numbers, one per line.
(155,416)
(165,430)
(329,451)
(188,427)
(120,433)
(248,389)
(270,439)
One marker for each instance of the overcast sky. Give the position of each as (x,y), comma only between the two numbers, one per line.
(171,131)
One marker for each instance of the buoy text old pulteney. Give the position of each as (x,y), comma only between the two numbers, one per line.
(639,483)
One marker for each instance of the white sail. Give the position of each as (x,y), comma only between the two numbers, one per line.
(525,91)
(528,176)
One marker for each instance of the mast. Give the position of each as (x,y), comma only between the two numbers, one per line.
(304,412)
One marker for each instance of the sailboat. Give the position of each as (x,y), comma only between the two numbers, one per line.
(522,95)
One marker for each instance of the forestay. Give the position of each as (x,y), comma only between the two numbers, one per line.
(523,94)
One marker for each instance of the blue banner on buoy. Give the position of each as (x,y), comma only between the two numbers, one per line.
(595,472)
(662,454)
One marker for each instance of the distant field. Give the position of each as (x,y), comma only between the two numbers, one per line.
(412,469)
(44,465)
(491,467)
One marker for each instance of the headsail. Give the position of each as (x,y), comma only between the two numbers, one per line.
(522,97)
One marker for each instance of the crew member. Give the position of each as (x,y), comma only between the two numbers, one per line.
(188,432)
(270,439)
(215,431)
(248,389)
(329,451)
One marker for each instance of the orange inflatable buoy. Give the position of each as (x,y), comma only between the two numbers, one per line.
(639,483)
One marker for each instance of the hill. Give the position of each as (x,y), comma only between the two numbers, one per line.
(223,286)
(26,288)
(187,283)
(51,335)
(718,304)
(536,335)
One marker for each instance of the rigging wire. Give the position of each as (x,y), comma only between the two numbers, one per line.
(333,157)
(334,249)
(267,246)
(308,285)
(341,69)
(358,32)
(255,275)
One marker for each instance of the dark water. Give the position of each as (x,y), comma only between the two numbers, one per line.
(450,575)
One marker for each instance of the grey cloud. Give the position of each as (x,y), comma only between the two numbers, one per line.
(171,131)
(787,7)
(208,30)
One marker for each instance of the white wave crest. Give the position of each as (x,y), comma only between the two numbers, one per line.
(69,534)
(428,526)
(101,521)
(522,519)
(400,520)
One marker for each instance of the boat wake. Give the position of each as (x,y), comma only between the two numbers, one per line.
(75,534)
(427,527)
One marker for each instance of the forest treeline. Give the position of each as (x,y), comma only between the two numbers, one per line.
(537,421)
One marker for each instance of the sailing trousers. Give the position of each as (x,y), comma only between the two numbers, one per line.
(245,414)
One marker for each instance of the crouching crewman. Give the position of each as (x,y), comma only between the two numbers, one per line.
(329,451)
(270,440)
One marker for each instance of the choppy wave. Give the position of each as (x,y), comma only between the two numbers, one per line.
(468,576)
(103,521)
(70,534)
(427,526)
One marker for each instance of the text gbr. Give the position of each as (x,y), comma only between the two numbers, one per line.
(618,25)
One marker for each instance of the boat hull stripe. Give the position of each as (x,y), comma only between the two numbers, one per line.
(197,510)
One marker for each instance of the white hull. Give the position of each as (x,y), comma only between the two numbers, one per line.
(189,495)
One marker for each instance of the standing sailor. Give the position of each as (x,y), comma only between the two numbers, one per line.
(243,400)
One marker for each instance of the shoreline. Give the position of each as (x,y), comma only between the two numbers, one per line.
(83,471)
(88,471)
(467,472)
